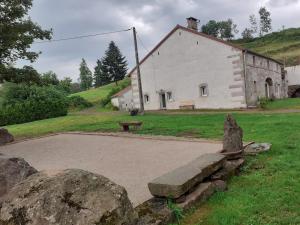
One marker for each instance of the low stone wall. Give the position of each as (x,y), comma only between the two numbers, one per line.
(157,211)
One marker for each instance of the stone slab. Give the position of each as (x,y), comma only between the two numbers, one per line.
(257,148)
(200,194)
(230,169)
(179,181)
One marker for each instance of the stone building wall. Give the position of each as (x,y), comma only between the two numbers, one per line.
(265,78)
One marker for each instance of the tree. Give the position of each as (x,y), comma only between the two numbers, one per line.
(211,28)
(114,64)
(86,78)
(66,85)
(221,29)
(227,29)
(100,78)
(49,78)
(253,23)
(75,87)
(247,34)
(265,21)
(18,32)
(27,75)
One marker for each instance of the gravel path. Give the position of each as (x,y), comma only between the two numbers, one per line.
(129,161)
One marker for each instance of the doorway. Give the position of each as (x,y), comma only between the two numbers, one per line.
(163,102)
(269,88)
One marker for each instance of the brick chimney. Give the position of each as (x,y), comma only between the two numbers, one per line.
(192,23)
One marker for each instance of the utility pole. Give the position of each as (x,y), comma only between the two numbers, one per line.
(138,72)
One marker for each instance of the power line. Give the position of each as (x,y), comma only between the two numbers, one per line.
(142,43)
(82,36)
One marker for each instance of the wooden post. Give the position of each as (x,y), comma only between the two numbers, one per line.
(138,72)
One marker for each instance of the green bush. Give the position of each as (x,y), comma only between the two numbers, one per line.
(78,102)
(22,103)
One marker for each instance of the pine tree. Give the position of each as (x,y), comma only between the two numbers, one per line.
(100,78)
(265,21)
(86,78)
(114,63)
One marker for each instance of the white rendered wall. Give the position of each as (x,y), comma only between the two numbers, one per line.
(187,60)
(123,102)
(126,101)
(293,74)
(115,102)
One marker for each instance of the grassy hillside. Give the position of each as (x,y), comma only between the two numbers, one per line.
(283,46)
(95,95)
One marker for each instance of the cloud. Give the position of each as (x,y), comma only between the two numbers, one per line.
(152,18)
(280,3)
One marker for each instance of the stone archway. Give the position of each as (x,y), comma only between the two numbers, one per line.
(269,88)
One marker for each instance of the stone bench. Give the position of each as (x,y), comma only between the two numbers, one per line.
(181,180)
(134,124)
(187,107)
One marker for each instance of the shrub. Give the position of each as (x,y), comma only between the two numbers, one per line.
(263,102)
(133,112)
(78,102)
(23,103)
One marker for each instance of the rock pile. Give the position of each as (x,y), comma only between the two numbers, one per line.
(13,171)
(67,197)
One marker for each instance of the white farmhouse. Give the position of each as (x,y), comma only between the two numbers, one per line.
(189,69)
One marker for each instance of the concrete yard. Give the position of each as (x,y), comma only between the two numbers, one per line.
(129,161)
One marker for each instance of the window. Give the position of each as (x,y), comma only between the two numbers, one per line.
(146,98)
(253,60)
(268,64)
(169,96)
(203,90)
(255,87)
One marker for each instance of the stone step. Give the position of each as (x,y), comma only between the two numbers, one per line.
(181,180)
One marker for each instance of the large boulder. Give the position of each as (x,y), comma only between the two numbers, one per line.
(233,135)
(5,137)
(67,197)
(13,171)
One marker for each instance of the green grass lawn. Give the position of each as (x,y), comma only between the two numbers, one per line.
(290,103)
(95,95)
(268,190)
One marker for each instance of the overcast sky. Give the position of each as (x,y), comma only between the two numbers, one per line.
(153,19)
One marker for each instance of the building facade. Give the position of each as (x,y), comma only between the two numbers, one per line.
(293,73)
(189,69)
(123,100)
